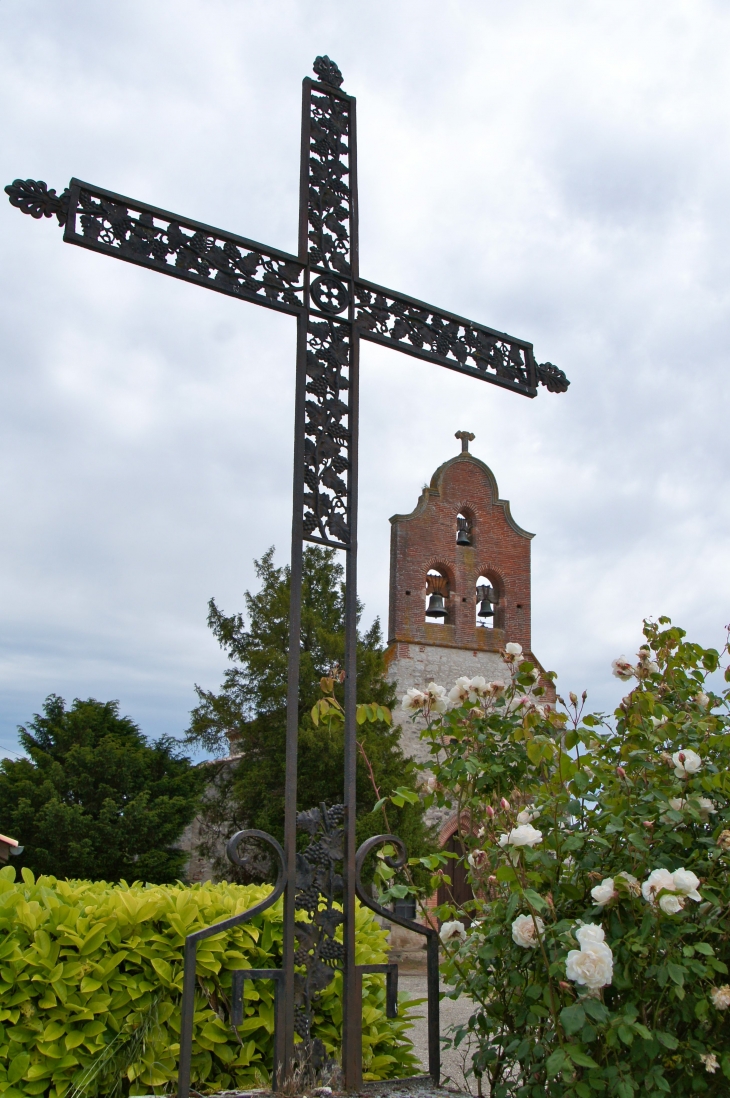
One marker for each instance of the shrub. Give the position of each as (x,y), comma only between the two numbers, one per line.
(598,851)
(91,975)
(95,798)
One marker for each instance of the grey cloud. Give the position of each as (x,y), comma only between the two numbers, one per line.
(557,171)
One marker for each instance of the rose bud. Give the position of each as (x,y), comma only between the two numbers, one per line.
(489,811)
(723,840)
(620,772)
(504,803)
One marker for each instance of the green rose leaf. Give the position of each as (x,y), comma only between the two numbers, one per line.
(676,973)
(580,1059)
(573,1018)
(556,1062)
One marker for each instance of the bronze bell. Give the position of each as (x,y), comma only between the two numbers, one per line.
(463,531)
(435,608)
(486,597)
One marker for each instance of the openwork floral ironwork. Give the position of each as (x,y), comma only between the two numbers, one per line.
(327,433)
(335,309)
(330,198)
(319,887)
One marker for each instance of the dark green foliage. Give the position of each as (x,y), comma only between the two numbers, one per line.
(250,710)
(94,799)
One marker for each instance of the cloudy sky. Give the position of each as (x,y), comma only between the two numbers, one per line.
(559,170)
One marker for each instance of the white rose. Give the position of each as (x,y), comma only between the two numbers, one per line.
(452,930)
(686,763)
(659,722)
(589,934)
(646,664)
(705,806)
(686,882)
(721,997)
(437,699)
(527,815)
(523,931)
(710,1061)
(478,687)
(513,649)
(496,688)
(591,967)
(702,699)
(460,691)
(670,903)
(603,892)
(677,803)
(524,835)
(414,700)
(657,880)
(622,669)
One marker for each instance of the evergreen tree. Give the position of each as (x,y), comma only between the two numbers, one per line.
(94,799)
(249,712)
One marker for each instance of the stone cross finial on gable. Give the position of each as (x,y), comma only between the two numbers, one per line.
(466,437)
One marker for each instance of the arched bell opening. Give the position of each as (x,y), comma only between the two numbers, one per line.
(465,528)
(437,597)
(487,600)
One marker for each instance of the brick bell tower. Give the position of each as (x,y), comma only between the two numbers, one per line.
(459,583)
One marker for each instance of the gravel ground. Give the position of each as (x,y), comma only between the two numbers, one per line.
(452,1013)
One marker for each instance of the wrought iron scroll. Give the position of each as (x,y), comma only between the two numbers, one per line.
(397,861)
(187,1009)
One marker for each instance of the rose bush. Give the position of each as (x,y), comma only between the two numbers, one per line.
(597,945)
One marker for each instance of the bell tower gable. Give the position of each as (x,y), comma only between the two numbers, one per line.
(458,555)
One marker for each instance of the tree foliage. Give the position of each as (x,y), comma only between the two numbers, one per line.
(94,799)
(249,711)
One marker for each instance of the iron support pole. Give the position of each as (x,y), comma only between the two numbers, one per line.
(351,979)
(284,1054)
(352,997)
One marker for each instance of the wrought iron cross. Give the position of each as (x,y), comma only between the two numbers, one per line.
(335,308)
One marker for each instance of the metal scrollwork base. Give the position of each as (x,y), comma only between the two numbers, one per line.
(397,861)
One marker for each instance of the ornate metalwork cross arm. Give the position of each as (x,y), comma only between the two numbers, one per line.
(162,241)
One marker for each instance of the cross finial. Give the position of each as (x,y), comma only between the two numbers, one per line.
(466,437)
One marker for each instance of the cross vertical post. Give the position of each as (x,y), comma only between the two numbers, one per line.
(334,309)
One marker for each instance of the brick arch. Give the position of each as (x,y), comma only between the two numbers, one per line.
(497,581)
(460,890)
(440,565)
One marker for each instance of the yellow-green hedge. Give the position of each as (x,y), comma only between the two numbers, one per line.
(84,964)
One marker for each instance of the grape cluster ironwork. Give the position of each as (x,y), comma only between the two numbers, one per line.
(327,432)
(319,887)
(203,256)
